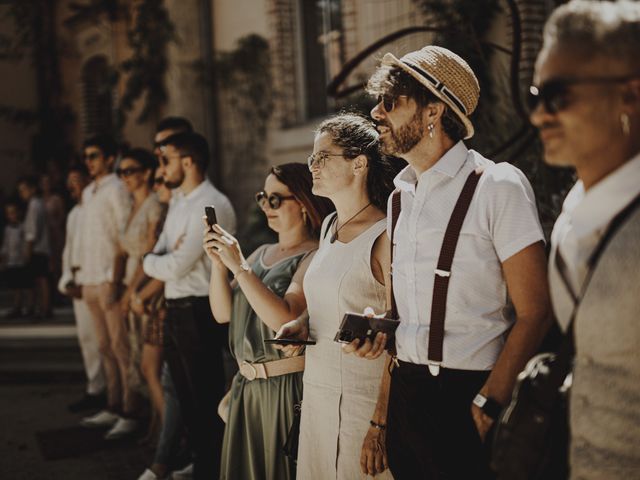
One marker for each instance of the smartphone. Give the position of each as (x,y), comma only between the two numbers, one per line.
(289,341)
(210,212)
(359,326)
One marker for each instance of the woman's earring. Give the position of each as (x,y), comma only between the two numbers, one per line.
(304,217)
(626,124)
(431,128)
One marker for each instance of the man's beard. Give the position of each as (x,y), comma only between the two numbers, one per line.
(402,140)
(175,183)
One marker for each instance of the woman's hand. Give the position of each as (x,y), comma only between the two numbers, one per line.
(297,329)
(137,306)
(368,349)
(210,250)
(225,247)
(373,459)
(125,301)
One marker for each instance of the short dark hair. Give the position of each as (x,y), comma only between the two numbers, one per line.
(393,81)
(105,143)
(80,168)
(144,157)
(190,144)
(356,135)
(29,180)
(14,201)
(177,124)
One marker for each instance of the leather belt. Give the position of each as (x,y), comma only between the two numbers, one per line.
(252,371)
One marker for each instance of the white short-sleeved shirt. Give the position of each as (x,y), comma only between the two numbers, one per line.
(501,221)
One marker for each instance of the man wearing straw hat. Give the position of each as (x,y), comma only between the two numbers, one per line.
(458,294)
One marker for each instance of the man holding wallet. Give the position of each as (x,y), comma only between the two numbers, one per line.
(468,265)
(194,341)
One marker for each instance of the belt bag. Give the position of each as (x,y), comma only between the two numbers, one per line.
(532,435)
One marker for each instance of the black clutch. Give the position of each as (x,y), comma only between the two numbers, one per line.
(359,326)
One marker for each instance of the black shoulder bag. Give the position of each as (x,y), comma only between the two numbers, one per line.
(532,434)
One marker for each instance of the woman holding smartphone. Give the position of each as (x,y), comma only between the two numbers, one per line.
(265,293)
(347,274)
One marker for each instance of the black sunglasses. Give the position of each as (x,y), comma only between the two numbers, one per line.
(388,102)
(274,200)
(92,156)
(554,93)
(127,172)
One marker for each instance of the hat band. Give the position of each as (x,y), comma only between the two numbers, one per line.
(439,86)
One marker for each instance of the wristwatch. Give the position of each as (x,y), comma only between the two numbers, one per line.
(244,267)
(488,405)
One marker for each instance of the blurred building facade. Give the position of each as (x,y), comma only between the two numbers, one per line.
(252,75)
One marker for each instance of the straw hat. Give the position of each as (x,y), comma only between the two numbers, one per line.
(446,75)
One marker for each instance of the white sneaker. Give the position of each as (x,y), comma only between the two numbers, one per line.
(185,474)
(123,427)
(104,418)
(148,475)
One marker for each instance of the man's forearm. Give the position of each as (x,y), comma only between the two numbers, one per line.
(380,413)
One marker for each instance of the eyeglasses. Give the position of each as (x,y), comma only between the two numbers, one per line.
(158,181)
(274,200)
(127,172)
(318,159)
(92,156)
(554,93)
(388,102)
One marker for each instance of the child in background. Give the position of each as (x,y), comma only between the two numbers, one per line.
(12,257)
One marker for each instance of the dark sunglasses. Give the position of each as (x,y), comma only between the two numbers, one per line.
(388,102)
(92,156)
(274,200)
(554,93)
(127,172)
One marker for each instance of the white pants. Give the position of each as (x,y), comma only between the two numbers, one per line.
(89,347)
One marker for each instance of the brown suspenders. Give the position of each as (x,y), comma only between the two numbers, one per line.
(443,269)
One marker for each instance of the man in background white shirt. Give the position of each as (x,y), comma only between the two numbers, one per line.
(106,206)
(38,249)
(193,340)
(440,409)
(587,108)
(94,396)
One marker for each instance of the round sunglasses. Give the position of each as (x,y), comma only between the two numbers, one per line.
(274,200)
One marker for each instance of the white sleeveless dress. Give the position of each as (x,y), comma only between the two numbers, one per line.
(340,390)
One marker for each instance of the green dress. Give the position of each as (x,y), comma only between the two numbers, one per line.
(260,411)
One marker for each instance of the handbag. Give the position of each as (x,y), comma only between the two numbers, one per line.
(531,439)
(290,447)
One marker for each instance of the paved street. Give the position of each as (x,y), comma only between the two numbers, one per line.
(40,374)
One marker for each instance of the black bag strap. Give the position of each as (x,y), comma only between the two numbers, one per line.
(566,351)
(443,270)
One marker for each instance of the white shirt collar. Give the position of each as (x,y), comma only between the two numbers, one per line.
(449,164)
(592,210)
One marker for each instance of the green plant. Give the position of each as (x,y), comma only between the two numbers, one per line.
(149,37)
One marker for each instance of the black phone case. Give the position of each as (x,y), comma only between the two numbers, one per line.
(358,326)
(210,212)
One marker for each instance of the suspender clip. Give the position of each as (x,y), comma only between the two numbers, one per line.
(434,368)
(442,273)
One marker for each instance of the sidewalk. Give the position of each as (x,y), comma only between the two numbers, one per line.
(40,374)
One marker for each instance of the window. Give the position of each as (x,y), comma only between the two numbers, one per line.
(97,96)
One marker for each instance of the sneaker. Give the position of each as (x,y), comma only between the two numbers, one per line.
(103,418)
(149,475)
(185,474)
(88,402)
(123,428)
